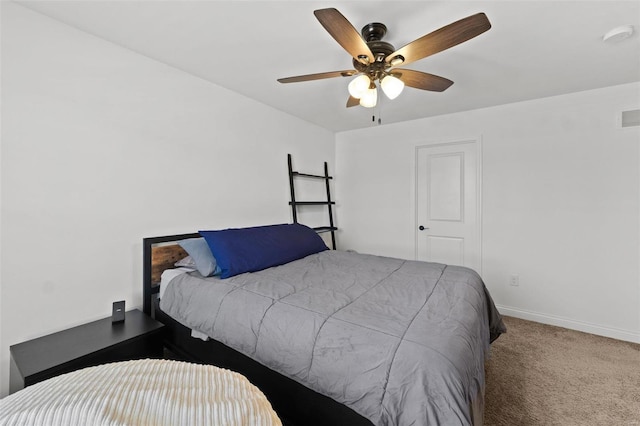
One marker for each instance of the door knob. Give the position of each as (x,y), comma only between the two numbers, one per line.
(422,228)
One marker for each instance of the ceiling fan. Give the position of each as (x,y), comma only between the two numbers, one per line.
(375,60)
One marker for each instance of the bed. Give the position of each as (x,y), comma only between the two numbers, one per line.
(330,337)
(141,392)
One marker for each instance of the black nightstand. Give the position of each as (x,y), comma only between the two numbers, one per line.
(98,342)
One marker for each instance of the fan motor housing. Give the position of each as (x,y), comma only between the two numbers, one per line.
(373,33)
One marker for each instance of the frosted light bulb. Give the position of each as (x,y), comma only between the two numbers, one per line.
(370,97)
(359,86)
(392,86)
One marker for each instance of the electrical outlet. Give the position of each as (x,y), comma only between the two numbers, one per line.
(514,280)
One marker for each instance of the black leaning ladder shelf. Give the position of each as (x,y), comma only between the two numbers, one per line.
(295,204)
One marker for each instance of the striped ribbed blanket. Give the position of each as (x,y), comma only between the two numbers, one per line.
(143,392)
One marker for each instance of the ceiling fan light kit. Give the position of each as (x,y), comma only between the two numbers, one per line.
(363,88)
(375,60)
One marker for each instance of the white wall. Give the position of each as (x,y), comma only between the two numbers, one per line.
(2,373)
(102,147)
(560,203)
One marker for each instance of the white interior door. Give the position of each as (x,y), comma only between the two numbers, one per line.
(448,204)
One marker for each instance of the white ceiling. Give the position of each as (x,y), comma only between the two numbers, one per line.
(534,49)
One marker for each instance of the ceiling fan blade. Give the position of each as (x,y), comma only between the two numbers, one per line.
(319,76)
(422,80)
(351,102)
(345,34)
(442,39)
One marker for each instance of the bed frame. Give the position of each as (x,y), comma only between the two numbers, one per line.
(294,403)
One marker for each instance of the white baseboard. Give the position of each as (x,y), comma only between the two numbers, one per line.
(614,333)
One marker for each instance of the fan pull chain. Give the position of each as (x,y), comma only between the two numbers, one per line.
(373,116)
(376,108)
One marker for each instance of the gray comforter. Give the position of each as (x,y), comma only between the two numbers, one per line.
(400,342)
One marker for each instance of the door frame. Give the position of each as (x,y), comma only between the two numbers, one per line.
(463,141)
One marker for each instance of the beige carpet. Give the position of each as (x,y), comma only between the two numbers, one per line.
(544,375)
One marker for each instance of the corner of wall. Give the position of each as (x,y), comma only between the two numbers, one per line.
(3,369)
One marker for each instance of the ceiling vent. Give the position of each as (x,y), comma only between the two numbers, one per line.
(630,118)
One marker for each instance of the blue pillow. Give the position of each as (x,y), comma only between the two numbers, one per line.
(199,251)
(253,249)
